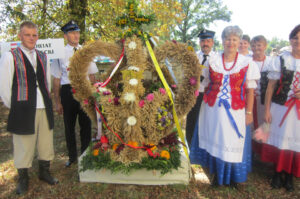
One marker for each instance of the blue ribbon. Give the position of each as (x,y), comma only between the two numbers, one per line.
(227,105)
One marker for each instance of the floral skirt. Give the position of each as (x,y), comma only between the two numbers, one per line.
(285,160)
(225,172)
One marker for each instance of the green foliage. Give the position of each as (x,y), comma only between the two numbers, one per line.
(199,14)
(103,160)
(277,44)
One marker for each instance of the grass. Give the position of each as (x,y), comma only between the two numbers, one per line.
(257,185)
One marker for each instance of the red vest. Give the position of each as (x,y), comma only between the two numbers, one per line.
(237,84)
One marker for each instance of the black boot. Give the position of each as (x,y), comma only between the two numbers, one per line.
(44,173)
(214,181)
(288,183)
(276,182)
(23,180)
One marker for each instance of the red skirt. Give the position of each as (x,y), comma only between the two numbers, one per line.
(285,160)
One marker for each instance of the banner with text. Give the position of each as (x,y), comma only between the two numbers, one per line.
(54,48)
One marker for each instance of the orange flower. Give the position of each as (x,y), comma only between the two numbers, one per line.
(153,147)
(115,146)
(95,152)
(133,143)
(165,154)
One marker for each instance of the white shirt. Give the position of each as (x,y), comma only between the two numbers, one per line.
(200,57)
(7,71)
(59,66)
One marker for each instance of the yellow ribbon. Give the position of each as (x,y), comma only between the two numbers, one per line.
(162,78)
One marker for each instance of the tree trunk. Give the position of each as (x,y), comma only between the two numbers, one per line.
(78,11)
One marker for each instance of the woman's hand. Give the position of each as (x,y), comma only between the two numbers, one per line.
(268,116)
(297,93)
(249,118)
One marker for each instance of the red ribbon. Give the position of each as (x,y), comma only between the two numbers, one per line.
(290,103)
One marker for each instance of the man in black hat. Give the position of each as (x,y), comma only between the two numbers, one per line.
(64,102)
(206,43)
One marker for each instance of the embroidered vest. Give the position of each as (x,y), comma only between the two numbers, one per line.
(282,87)
(263,86)
(237,85)
(24,93)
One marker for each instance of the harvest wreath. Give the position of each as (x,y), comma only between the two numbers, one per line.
(137,112)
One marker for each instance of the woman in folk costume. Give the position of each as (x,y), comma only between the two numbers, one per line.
(282,111)
(220,141)
(259,47)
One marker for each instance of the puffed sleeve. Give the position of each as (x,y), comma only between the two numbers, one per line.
(56,69)
(93,68)
(274,69)
(6,77)
(253,75)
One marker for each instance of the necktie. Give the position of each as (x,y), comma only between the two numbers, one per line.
(204,59)
(74,49)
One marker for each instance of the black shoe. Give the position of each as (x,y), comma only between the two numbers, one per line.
(22,186)
(70,162)
(44,173)
(288,184)
(276,182)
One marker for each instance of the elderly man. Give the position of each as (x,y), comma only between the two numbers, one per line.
(206,43)
(25,89)
(65,103)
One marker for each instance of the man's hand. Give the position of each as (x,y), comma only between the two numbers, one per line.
(59,108)
(249,119)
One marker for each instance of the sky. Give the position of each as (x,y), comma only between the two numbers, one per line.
(271,18)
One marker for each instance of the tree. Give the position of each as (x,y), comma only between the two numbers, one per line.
(198,15)
(276,44)
(96,19)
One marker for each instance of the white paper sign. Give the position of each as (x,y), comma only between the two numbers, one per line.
(54,48)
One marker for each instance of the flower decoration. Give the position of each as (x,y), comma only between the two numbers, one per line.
(164,118)
(165,154)
(106,93)
(153,147)
(132,45)
(193,81)
(116,101)
(162,91)
(133,143)
(95,152)
(102,89)
(129,97)
(150,97)
(97,84)
(109,100)
(141,103)
(115,146)
(133,82)
(73,91)
(173,86)
(86,101)
(131,120)
(190,48)
(196,93)
(134,68)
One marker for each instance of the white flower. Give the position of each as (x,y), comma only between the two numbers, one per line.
(133,68)
(133,82)
(131,120)
(102,89)
(129,97)
(132,45)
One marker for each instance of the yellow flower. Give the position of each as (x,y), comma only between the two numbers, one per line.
(133,143)
(165,154)
(190,48)
(95,152)
(115,146)
(153,147)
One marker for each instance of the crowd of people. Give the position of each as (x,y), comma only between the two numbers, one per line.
(239,90)
(244,92)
